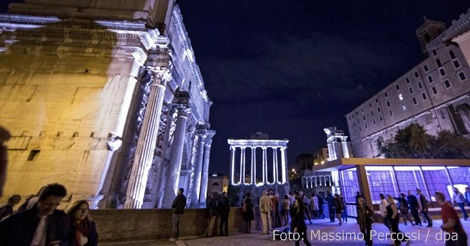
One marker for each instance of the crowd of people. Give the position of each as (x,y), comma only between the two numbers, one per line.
(41,223)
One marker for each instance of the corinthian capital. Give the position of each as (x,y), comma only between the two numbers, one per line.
(159,61)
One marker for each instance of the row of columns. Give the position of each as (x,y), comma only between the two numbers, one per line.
(264,166)
(317,181)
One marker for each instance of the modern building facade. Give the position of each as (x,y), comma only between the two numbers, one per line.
(434,94)
(106,98)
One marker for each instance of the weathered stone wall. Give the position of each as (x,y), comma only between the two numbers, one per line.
(143,224)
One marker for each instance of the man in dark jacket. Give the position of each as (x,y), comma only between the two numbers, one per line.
(40,225)
(224,210)
(413,203)
(178,209)
(331,207)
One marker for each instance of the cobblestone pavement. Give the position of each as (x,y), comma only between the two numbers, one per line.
(321,232)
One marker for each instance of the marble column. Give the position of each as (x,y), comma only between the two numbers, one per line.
(330,150)
(195,185)
(253,165)
(242,165)
(265,165)
(275,166)
(283,164)
(174,166)
(344,145)
(159,60)
(205,172)
(232,164)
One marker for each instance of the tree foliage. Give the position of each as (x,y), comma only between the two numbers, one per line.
(414,142)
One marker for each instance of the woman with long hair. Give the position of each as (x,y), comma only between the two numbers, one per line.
(248,213)
(82,230)
(392,215)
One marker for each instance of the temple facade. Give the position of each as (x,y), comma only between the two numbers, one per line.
(106,98)
(434,93)
(259,163)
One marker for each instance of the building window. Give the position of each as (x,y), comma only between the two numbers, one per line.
(388,103)
(403,106)
(447,83)
(373,121)
(407,80)
(378,109)
(456,63)
(376,100)
(424,96)
(357,113)
(414,101)
(434,90)
(411,90)
(462,76)
(372,113)
(452,54)
(364,117)
(438,62)
(381,119)
(397,86)
(391,114)
(386,94)
(442,71)
(365,125)
(426,68)
(434,52)
(430,79)
(420,85)
(416,75)
(370,105)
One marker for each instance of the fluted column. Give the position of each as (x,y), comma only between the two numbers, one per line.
(253,165)
(232,164)
(283,164)
(176,155)
(205,172)
(195,185)
(145,147)
(265,165)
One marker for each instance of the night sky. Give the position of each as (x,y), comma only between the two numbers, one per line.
(292,68)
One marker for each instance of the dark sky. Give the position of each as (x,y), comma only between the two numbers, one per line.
(292,68)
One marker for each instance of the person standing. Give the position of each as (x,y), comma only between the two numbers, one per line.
(314,206)
(424,207)
(331,206)
(338,206)
(212,214)
(451,222)
(414,206)
(298,222)
(7,209)
(459,199)
(82,230)
(306,207)
(383,211)
(403,207)
(41,225)
(224,210)
(248,213)
(265,212)
(344,213)
(178,205)
(467,195)
(285,210)
(364,219)
(392,215)
(4,137)
(320,206)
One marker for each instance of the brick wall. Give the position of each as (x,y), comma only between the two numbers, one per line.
(147,224)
